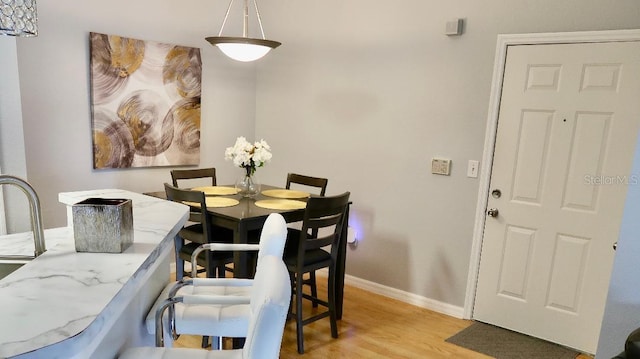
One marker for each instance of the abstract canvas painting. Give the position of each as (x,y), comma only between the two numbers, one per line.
(145,103)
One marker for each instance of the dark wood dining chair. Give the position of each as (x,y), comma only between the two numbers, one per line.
(198,232)
(319,184)
(306,254)
(193,174)
(185,178)
(307,181)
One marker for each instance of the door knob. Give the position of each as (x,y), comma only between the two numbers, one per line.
(493,212)
(496,193)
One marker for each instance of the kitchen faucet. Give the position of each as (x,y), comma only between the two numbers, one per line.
(34,204)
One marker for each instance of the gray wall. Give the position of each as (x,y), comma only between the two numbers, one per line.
(367,92)
(622,311)
(54,80)
(362,92)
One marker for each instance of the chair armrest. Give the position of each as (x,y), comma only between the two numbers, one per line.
(230,247)
(219,247)
(227,282)
(214,299)
(179,284)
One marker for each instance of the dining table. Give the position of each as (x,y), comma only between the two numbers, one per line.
(246,216)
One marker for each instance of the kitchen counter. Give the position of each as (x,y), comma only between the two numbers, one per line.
(65,304)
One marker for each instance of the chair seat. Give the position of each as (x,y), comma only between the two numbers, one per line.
(195,234)
(311,257)
(206,319)
(179,353)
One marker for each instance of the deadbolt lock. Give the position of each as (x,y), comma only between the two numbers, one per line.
(496,193)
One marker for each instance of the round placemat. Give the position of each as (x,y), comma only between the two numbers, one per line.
(285,193)
(281,204)
(216,190)
(216,202)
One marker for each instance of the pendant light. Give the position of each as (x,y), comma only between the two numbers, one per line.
(243,48)
(18,18)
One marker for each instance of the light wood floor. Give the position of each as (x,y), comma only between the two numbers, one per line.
(374,326)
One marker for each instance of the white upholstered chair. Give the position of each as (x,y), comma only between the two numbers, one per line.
(267,309)
(224,319)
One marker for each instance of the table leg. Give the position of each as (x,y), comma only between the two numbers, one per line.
(241,258)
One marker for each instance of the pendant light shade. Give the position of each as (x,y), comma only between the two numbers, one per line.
(243,48)
(18,18)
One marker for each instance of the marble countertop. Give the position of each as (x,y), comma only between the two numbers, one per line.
(63,293)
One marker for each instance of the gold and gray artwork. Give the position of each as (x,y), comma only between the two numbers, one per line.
(145,103)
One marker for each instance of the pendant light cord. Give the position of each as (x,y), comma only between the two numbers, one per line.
(245,20)
(226,16)
(255,4)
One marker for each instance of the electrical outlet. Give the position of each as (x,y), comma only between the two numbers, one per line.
(440,166)
(351,235)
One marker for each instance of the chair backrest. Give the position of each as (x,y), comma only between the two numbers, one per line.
(324,216)
(270,296)
(273,237)
(193,174)
(195,215)
(308,181)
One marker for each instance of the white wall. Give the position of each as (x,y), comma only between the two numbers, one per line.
(55,85)
(622,311)
(365,93)
(12,154)
(362,92)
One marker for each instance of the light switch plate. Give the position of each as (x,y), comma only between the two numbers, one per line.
(440,166)
(472,169)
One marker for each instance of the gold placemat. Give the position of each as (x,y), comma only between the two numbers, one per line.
(285,193)
(216,190)
(216,202)
(281,204)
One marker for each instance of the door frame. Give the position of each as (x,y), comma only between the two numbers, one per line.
(503,43)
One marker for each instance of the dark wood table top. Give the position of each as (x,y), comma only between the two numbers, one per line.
(246,209)
(243,218)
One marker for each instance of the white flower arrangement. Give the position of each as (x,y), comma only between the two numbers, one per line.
(248,156)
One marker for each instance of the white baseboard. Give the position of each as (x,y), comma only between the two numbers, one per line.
(406,297)
(397,294)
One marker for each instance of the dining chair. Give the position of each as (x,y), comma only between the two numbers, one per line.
(267,309)
(306,254)
(189,178)
(222,320)
(187,175)
(198,231)
(317,183)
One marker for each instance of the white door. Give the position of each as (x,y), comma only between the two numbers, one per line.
(567,127)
